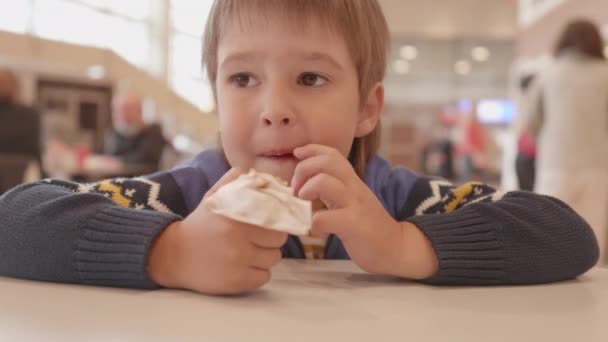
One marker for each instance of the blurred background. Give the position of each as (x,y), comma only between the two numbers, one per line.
(455,80)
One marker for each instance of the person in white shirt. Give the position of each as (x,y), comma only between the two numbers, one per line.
(568,114)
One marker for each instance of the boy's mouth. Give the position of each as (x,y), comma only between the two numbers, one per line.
(280,155)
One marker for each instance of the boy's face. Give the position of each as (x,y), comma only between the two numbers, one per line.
(278,89)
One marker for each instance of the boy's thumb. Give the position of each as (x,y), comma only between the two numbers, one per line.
(228,177)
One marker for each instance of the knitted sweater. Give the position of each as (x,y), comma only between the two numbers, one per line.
(101,233)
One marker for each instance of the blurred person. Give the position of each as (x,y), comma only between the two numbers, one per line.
(568,113)
(131,140)
(473,147)
(19,133)
(439,160)
(525,162)
(20,129)
(425,150)
(131,147)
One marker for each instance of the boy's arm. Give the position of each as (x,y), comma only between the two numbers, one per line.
(481,236)
(97,234)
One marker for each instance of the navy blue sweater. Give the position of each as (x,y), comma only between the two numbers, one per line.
(101,233)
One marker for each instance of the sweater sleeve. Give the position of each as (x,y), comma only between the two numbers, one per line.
(97,234)
(484,237)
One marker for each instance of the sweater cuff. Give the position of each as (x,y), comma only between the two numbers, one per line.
(114,245)
(467,245)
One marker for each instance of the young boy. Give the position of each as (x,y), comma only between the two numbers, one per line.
(299,92)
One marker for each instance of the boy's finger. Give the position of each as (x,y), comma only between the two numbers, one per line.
(231,175)
(264,258)
(329,189)
(338,167)
(327,222)
(311,150)
(253,278)
(267,238)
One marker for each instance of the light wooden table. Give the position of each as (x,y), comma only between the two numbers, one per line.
(310,301)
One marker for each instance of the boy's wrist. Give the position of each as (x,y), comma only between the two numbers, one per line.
(416,258)
(162,265)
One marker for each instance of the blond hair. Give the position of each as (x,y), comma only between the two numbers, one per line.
(360,22)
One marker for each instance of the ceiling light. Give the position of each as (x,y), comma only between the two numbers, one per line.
(401,67)
(480,53)
(408,52)
(462,67)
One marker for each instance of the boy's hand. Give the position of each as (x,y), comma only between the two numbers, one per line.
(211,254)
(373,239)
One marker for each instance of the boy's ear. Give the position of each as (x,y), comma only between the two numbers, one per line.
(370,111)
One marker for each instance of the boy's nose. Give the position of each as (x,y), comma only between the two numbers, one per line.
(277,111)
(278,119)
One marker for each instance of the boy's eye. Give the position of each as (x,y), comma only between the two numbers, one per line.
(243,80)
(311,80)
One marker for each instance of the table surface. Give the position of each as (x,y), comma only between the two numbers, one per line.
(310,301)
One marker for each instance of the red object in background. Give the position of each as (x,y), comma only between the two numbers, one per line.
(526,145)
(82,152)
(473,139)
(449,117)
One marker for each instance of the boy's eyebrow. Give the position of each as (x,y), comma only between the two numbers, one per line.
(239,57)
(320,56)
(312,56)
